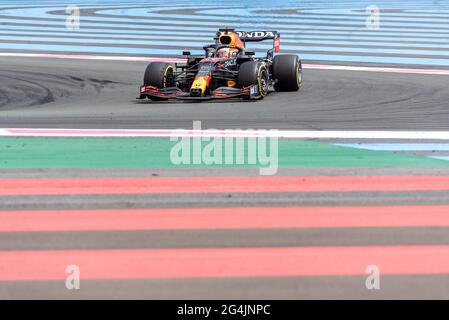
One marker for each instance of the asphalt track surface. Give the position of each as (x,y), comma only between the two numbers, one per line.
(54,93)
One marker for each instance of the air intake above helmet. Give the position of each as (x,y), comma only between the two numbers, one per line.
(226,39)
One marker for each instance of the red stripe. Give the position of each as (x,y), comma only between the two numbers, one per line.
(242,262)
(224,218)
(219,184)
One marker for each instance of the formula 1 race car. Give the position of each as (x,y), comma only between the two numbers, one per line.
(227,70)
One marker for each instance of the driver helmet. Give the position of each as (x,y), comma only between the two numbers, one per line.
(227,53)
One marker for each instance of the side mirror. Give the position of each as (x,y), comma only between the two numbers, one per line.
(250,52)
(186,53)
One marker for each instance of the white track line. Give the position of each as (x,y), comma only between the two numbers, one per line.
(4,132)
(110,133)
(173,60)
(377,69)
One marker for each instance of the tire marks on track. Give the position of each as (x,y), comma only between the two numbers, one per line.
(21,89)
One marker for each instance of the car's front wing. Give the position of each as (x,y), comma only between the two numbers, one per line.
(251,92)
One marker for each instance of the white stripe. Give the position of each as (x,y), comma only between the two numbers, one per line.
(174,60)
(406,135)
(4,132)
(403,135)
(378,69)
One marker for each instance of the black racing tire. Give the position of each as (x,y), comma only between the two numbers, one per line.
(287,72)
(253,72)
(160,75)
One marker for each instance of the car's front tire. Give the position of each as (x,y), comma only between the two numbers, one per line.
(254,73)
(160,75)
(287,72)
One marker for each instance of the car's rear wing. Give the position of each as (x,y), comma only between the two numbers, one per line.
(256,36)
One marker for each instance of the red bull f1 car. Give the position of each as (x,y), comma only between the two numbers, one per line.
(227,70)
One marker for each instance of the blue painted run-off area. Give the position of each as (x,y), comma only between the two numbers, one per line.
(408,33)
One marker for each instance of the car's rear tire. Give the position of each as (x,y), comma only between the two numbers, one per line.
(160,75)
(287,72)
(251,73)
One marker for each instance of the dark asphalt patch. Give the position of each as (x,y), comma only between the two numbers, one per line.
(86,202)
(347,287)
(181,239)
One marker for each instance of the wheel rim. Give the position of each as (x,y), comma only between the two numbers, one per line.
(263,81)
(298,75)
(167,76)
